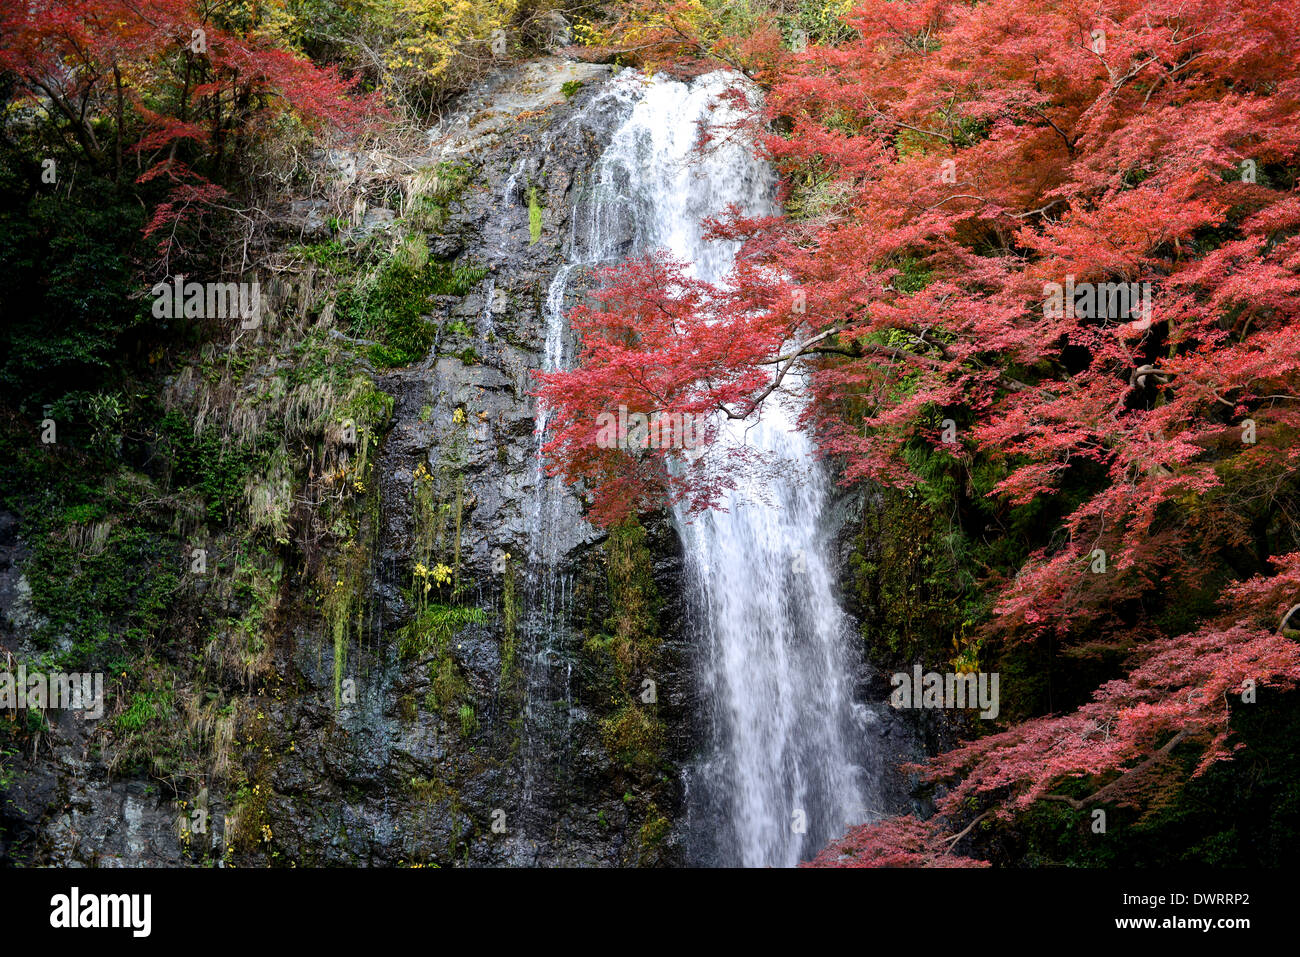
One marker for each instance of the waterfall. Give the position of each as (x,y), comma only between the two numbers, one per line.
(487,325)
(783,776)
(780,774)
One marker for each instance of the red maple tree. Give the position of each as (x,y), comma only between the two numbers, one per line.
(176,87)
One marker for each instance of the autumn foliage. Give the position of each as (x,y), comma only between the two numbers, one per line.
(683,37)
(166,90)
(900,841)
(943,169)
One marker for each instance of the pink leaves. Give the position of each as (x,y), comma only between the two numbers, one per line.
(165,83)
(894,842)
(1180,689)
(185,201)
(656,342)
(1264,599)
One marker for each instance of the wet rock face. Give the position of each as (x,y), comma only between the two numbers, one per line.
(67,810)
(487,744)
(518,773)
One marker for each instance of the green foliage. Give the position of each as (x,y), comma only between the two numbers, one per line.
(255,588)
(735,17)
(213,465)
(346,583)
(150,735)
(83,514)
(434,45)
(145,707)
(821,21)
(628,649)
(98,594)
(912,276)
(431,631)
(468,720)
(814,192)
(447,687)
(654,829)
(70,282)
(630,638)
(331,254)
(534,216)
(428,790)
(392,305)
(634,736)
(908,583)
(430,635)
(924,557)
(436,191)
(8,766)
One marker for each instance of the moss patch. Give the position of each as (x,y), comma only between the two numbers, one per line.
(534,216)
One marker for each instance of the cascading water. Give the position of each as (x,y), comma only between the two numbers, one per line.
(784,776)
(780,776)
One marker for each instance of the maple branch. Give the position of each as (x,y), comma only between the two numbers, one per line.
(956,196)
(1040,209)
(952,841)
(879,113)
(1103,793)
(1138,377)
(81,130)
(1069,143)
(859,349)
(780,375)
(802,347)
(1134,71)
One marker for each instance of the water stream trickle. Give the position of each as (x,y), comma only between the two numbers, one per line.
(555,522)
